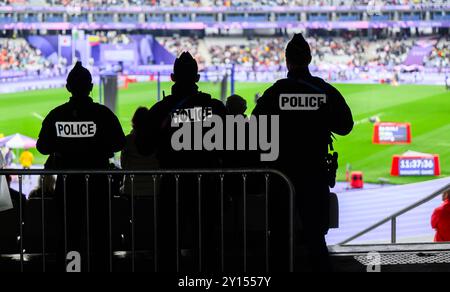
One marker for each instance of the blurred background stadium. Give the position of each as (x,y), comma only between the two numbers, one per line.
(389,58)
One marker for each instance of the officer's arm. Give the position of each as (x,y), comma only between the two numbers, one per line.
(262,107)
(340,116)
(116,135)
(46,143)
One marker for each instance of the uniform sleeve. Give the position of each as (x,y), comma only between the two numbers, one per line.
(340,116)
(46,143)
(115,136)
(262,105)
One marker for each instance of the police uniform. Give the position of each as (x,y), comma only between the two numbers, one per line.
(310,110)
(184,99)
(185,107)
(82,135)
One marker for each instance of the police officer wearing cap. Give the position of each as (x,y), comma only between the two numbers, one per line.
(184,100)
(81,135)
(310,111)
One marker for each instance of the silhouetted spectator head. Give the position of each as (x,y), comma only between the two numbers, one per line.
(236,105)
(139,120)
(446,195)
(298,53)
(79,81)
(185,69)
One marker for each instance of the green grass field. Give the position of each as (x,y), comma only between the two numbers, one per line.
(426,107)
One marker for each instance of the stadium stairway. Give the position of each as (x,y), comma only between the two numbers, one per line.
(361,209)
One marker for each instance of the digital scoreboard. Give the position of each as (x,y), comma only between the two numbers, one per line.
(392,133)
(427,165)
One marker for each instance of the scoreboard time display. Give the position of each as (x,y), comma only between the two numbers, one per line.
(416,166)
(392,133)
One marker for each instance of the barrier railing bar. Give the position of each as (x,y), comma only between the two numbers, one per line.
(155,223)
(222,223)
(177,220)
(394,230)
(244,194)
(65,214)
(21,221)
(88,229)
(133,228)
(266,230)
(200,235)
(110,255)
(43,223)
(155,174)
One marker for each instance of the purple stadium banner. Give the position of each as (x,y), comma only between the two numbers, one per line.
(51,47)
(419,52)
(261,9)
(229,25)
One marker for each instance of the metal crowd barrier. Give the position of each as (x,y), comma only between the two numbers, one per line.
(176,174)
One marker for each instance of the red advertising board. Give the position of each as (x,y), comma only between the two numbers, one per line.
(392,133)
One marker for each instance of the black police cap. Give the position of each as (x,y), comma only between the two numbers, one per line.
(186,66)
(298,51)
(79,75)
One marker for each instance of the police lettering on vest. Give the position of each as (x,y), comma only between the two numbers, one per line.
(192,115)
(302,102)
(76,129)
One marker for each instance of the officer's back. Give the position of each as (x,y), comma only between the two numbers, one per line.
(81,133)
(186,101)
(310,110)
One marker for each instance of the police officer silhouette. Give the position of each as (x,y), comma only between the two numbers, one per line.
(184,100)
(82,135)
(310,111)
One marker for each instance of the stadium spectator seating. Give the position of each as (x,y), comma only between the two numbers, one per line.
(208,3)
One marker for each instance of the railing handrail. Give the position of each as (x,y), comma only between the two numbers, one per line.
(392,218)
(173,172)
(144,172)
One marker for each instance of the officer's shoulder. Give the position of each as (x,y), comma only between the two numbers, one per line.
(59,110)
(205,97)
(281,83)
(102,109)
(275,89)
(322,83)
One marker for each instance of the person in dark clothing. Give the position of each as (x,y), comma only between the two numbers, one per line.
(186,101)
(82,135)
(310,111)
